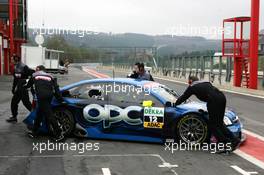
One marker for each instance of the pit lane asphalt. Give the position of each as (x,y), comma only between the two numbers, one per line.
(17,155)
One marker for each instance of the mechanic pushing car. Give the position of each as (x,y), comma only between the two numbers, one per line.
(45,87)
(21,73)
(216,106)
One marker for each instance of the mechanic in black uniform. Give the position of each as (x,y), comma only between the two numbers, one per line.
(45,88)
(21,73)
(216,106)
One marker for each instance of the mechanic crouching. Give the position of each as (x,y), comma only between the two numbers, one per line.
(21,74)
(45,88)
(216,106)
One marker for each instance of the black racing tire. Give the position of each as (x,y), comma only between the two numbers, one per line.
(192,128)
(65,119)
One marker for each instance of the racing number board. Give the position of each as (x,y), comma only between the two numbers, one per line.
(153,117)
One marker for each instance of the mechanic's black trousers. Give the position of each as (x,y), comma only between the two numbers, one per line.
(216,109)
(21,94)
(44,111)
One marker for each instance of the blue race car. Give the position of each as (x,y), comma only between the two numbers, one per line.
(131,110)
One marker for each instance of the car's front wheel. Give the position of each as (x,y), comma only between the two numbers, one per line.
(65,119)
(192,129)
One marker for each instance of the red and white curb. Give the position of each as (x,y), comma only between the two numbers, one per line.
(94,73)
(253,149)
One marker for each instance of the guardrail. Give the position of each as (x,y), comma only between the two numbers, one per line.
(215,69)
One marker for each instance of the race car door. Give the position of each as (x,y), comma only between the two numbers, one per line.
(127,114)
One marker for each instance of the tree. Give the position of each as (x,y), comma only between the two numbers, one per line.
(58,42)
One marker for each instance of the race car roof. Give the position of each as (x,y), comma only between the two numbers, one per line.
(135,82)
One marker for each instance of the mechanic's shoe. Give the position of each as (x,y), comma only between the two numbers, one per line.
(59,138)
(32,134)
(235,144)
(11,120)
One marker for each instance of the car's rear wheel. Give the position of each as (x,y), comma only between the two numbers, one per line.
(192,129)
(65,119)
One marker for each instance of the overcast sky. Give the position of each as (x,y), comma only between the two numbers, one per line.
(138,16)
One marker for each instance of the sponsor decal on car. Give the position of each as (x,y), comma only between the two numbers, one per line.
(95,113)
(153,117)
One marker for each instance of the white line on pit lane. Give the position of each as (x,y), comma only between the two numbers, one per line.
(167,165)
(243,172)
(133,155)
(106,171)
(93,155)
(249,158)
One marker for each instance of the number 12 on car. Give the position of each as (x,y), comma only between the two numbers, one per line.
(153,117)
